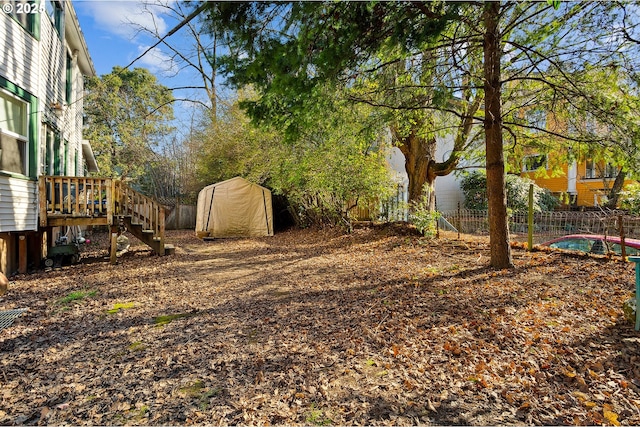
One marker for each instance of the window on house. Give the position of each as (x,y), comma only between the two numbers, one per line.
(55,152)
(534,162)
(27,12)
(58,155)
(537,119)
(65,158)
(73,166)
(590,169)
(56,14)
(69,81)
(57,163)
(572,120)
(610,171)
(13,134)
(48,151)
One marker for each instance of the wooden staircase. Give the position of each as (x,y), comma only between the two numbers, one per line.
(72,201)
(146,236)
(142,215)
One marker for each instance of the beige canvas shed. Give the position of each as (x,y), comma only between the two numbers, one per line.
(234,208)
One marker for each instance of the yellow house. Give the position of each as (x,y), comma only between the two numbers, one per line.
(582,182)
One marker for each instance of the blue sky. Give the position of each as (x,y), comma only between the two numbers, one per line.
(111,30)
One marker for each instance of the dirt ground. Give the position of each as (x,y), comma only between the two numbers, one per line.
(314,328)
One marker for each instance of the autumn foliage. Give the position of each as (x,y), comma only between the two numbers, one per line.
(380,326)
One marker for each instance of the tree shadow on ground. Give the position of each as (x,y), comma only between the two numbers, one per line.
(353,331)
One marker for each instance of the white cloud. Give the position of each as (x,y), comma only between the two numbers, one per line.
(157,61)
(125,18)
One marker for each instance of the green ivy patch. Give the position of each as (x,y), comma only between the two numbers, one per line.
(121,306)
(76,296)
(164,320)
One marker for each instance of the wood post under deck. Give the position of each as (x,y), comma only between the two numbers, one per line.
(22,254)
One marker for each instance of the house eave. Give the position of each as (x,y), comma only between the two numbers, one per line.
(76,41)
(89,157)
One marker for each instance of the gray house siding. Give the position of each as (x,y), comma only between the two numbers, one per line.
(18,205)
(33,71)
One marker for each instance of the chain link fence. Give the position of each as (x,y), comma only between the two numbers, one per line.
(548,225)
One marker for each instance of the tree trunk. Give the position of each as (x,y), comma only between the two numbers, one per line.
(614,193)
(496,193)
(430,187)
(419,156)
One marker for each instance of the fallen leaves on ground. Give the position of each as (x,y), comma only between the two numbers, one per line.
(317,328)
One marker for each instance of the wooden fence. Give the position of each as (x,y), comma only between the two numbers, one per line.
(181,217)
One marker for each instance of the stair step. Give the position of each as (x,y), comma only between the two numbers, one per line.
(147,236)
(169,249)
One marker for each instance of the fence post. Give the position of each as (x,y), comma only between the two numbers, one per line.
(177,216)
(636,260)
(397,207)
(459,221)
(623,248)
(530,219)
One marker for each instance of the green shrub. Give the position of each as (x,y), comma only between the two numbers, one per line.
(630,198)
(474,187)
(425,220)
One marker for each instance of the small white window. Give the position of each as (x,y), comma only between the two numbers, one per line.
(610,171)
(13,134)
(590,169)
(56,14)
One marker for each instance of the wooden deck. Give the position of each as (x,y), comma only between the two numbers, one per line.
(76,201)
(71,201)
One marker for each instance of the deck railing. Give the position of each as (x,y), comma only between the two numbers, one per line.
(76,197)
(83,200)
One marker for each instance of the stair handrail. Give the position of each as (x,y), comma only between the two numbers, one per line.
(142,209)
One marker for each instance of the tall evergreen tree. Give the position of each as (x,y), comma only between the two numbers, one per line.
(287,50)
